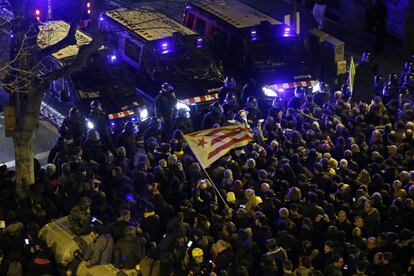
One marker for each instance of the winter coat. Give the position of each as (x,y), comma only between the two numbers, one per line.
(100,251)
(129,251)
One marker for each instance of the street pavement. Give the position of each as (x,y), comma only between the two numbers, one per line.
(46,135)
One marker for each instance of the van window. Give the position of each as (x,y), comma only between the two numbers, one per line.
(132,50)
(113,40)
(190,20)
(60,90)
(200,26)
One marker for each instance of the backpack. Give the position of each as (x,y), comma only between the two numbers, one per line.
(15,269)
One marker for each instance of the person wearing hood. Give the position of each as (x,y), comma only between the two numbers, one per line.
(129,250)
(80,217)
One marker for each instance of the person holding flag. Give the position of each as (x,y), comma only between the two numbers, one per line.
(209,145)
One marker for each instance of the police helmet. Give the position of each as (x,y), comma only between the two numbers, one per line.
(93,135)
(409,65)
(230,99)
(182,113)
(366,56)
(251,102)
(276,103)
(96,105)
(74,112)
(326,88)
(409,80)
(393,79)
(387,91)
(299,91)
(167,88)
(229,82)
(378,80)
(216,107)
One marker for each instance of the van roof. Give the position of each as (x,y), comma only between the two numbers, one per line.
(53,31)
(148,23)
(234,12)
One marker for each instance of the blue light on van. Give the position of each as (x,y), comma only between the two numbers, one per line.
(253,35)
(113,58)
(165,48)
(199,43)
(188,7)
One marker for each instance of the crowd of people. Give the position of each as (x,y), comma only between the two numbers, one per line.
(326,187)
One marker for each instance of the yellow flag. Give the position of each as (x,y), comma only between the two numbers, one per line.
(352,71)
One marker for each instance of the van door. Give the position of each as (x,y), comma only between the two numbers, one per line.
(132,52)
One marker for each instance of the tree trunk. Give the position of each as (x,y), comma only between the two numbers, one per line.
(24,154)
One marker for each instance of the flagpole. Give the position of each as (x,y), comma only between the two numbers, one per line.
(215,188)
(209,178)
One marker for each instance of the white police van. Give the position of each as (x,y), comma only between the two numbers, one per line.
(253,45)
(105,78)
(163,50)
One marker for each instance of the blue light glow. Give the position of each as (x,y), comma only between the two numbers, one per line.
(112,123)
(113,58)
(253,34)
(269,92)
(129,197)
(188,7)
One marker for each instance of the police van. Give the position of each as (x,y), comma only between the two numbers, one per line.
(105,78)
(252,46)
(162,50)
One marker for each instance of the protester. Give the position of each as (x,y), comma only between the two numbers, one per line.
(325,187)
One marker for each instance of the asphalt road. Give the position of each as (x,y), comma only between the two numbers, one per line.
(46,135)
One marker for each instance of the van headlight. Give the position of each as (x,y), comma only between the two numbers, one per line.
(90,125)
(182,105)
(143,114)
(269,92)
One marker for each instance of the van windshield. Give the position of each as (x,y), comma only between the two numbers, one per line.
(271,54)
(104,80)
(184,64)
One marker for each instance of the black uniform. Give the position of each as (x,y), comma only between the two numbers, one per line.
(165,107)
(212,118)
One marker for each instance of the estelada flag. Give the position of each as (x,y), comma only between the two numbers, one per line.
(211,144)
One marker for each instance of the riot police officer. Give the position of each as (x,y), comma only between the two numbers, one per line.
(63,147)
(182,121)
(253,111)
(215,116)
(76,124)
(230,103)
(323,95)
(378,84)
(228,87)
(297,100)
(165,104)
(128,139)
(100,123)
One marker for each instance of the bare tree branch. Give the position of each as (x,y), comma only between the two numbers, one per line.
(70,38)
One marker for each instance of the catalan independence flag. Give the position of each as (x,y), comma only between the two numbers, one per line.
(211,144)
